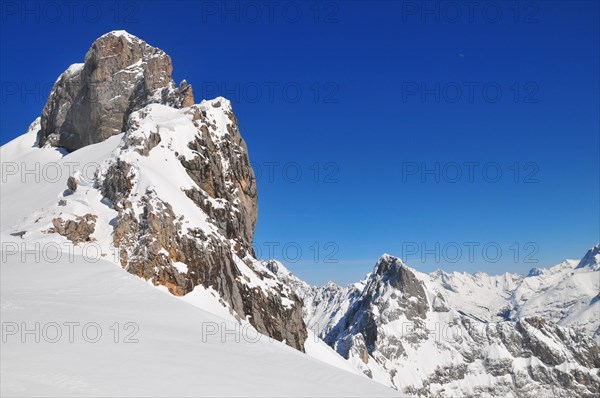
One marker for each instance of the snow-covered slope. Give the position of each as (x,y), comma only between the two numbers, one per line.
(151,344)
(566,293)
(483,296)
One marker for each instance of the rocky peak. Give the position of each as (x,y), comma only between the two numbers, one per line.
(392,275)
(391,270)
(92,101)
(591,259)
(392,294)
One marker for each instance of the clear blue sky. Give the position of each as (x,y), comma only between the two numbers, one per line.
(349,89)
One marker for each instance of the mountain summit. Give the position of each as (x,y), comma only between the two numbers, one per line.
(93,100)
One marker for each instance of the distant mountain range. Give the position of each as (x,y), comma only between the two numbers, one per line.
(460,334)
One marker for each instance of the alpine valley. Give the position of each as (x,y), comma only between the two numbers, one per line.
(128,206)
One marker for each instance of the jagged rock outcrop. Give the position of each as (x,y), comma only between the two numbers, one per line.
(92,101)
(176,196)
(392,293)
(78,230)
(228,188)
(175,199)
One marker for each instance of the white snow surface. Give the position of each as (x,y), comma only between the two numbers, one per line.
(181,350)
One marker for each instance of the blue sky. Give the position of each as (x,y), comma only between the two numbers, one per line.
(359,117)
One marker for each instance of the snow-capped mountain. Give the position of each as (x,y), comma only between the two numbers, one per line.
(160,185)
(445,334)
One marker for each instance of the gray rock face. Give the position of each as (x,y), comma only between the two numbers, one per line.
(392,273)
(324,306)
(92,101)
(234,187)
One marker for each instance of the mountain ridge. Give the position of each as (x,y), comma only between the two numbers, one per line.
(385,327)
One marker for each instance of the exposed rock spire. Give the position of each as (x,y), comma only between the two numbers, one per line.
(92,101)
